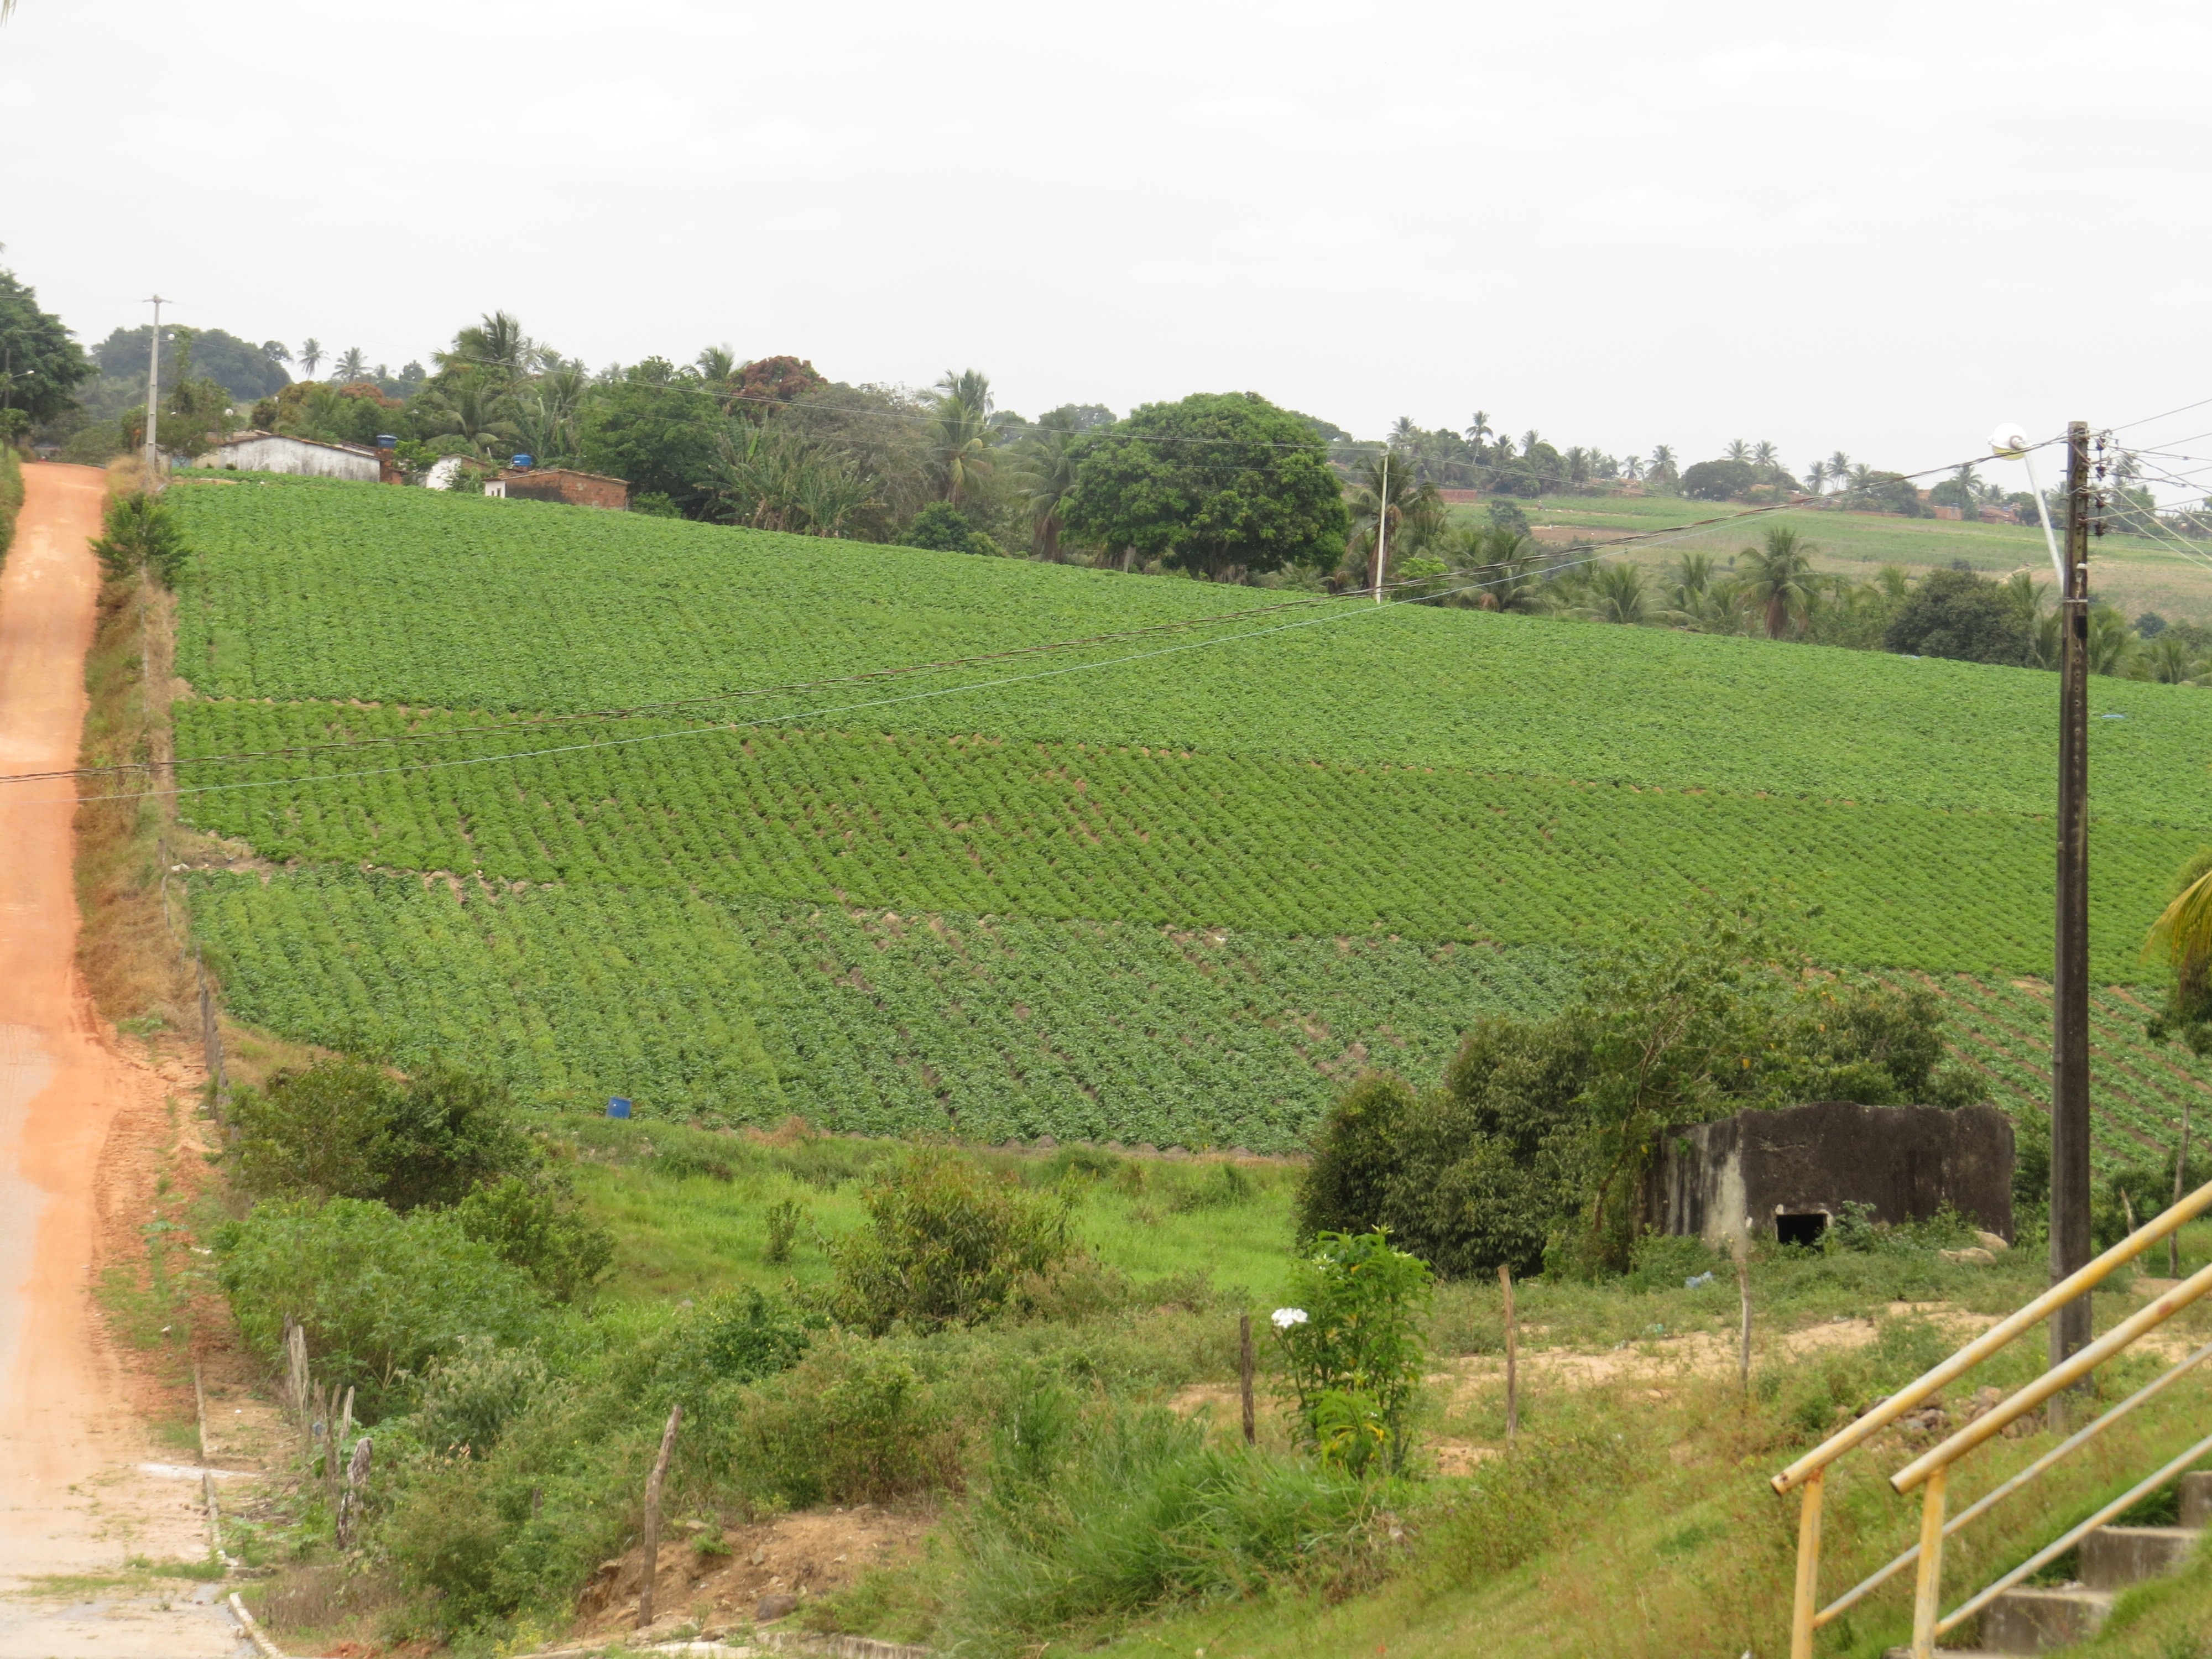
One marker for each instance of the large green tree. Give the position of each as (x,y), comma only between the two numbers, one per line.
(657,427)
(1957,614)
(40,367)
(1221,484)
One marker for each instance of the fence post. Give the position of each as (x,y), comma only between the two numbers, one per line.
(356,1484)
(1743,1293)
(653,1517)
(1244,1370)
(1512,1355)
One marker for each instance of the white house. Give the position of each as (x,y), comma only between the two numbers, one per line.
(264,452)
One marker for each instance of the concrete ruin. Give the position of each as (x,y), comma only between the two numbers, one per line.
(1787,1175)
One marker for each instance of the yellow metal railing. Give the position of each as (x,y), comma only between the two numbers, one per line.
(1930,1471)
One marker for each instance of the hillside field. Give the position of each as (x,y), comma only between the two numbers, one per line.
(1172,888)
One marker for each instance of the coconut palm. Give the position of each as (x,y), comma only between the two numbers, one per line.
(1840,467)
(352,366)
(1777,579)
(311,354)
(1633,468)
(1618,593)
(961,439)
(1768,460)
(1815,477)
(1395,500)
(1663,464)
(2111,641)
(2168,660)
(715,362)
(1045,473)
(469,407)
(1404,434)
(1578,466)
(1477,429)
(1738,451)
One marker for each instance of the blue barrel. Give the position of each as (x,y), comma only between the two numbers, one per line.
(617,1107)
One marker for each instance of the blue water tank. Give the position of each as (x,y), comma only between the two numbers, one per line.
(522,461)
(617,1107)
(386,440)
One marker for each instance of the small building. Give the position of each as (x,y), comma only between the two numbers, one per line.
(560,483)
(266,452)
(1786,1174)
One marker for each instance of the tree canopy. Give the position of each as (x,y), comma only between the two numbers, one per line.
(1217,484)
(39,365)
(1957,614)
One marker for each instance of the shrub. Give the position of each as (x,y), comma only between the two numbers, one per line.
(1355,1152)
(539,1227)
(1353,1349)
(141,532)
(341,1128)
(944,528)
(781,1222)
(945,1244)
(380,1294)
(852,1422)
(470,1395)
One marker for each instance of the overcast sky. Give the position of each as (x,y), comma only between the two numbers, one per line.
(1874,226)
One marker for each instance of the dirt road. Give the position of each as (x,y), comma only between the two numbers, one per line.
(74,1499)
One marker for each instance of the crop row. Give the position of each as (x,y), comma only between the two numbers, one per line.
(2138,1088)
(1177,839)
(568,996)
(864,1022)
(318,590)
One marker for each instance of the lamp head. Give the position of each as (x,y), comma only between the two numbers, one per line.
(2009,441)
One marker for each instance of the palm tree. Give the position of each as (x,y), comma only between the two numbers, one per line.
(716,362)
(1578,466)
(1398,502)
(1477,429)
(1045,475)
(1840,467)
(311,353)
(1768,460)
(1633,468)
(352,366)
(961,439)
(2169,663)
(1777,579)
(1815,477)
(469,407)
(2111,641)
(1738,451)
(1404,434)
(1663,464)
(1618,593)
(1862,480)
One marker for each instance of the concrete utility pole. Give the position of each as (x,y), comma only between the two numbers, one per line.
(2069,979)
(153,397)
(1383,527)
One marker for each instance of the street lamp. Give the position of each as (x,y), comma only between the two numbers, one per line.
(2011,442)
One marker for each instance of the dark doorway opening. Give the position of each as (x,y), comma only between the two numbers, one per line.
(1805,1228)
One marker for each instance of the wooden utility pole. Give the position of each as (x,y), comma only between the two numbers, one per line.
(2069,979)
(1383,528)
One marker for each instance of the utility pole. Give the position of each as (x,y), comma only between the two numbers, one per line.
(1383,527)
(2069,979)
(153,397)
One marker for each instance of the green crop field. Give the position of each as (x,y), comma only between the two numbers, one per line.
(2135,573)
(1167,889)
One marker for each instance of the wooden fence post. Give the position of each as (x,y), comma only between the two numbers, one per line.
(356,1485)
(1512,1355)
(1244,1371)
(1743,1293)
(653,1517)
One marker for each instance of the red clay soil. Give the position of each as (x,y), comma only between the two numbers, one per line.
(74,1495)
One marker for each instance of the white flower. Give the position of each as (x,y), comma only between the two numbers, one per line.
(1286,1317)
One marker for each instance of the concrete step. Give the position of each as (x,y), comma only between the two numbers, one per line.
(2113,1557)
(2038,1620)
(2196,1500)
